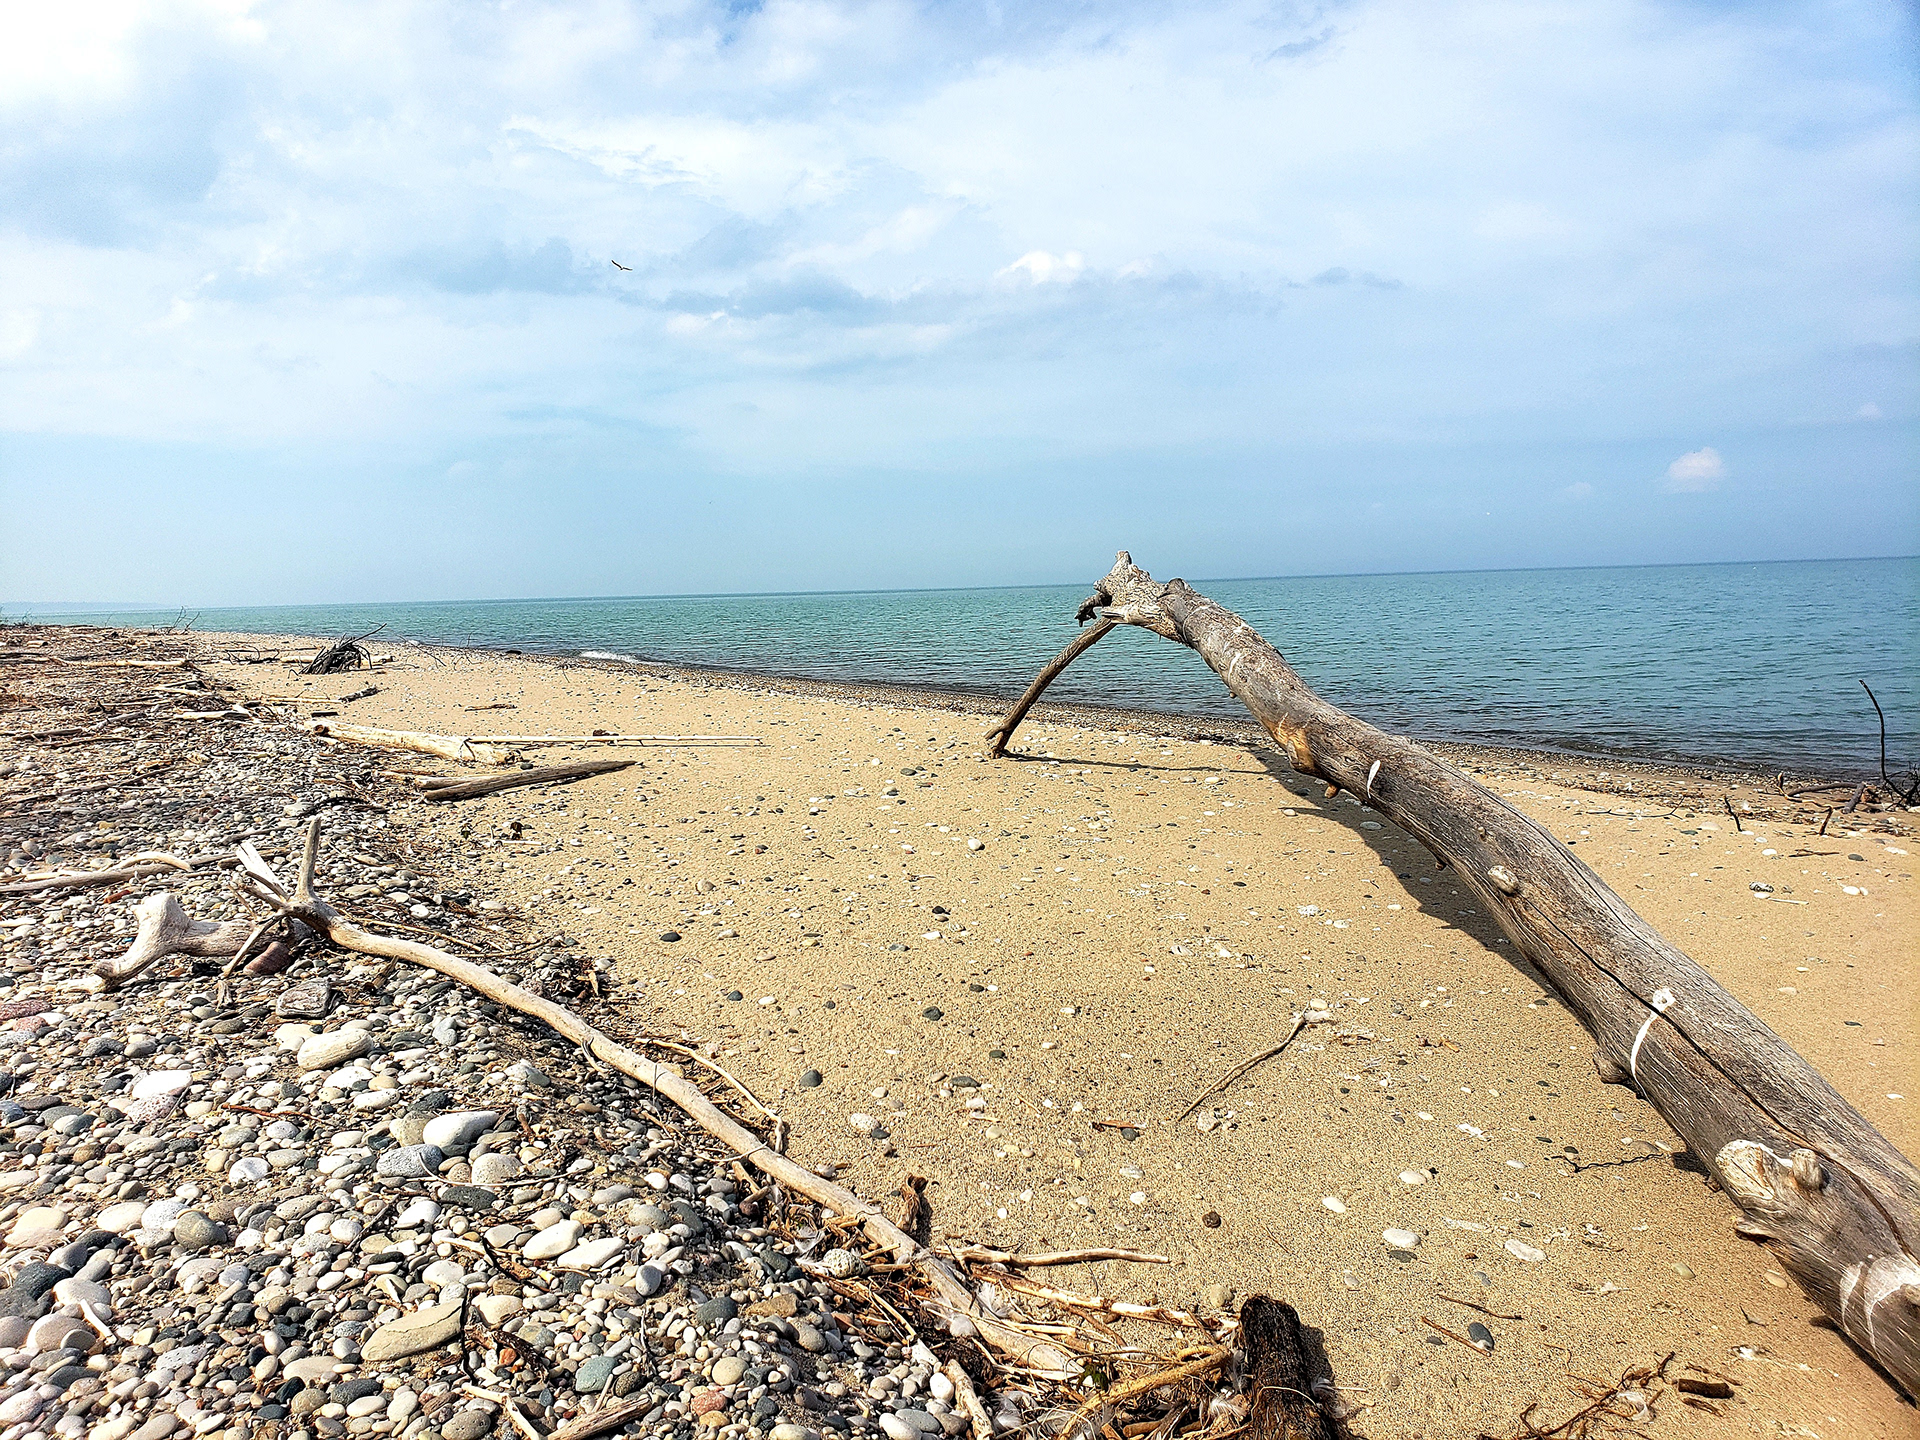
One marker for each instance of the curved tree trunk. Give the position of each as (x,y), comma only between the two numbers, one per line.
(1833,1200)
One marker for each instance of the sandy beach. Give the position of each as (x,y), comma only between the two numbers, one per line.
(1026,970)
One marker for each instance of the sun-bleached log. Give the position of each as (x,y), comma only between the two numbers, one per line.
(1824,1191)
(448,747)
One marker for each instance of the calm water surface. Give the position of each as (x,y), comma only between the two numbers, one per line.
(1744,664)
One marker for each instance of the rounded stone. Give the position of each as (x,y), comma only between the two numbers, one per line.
(335,1048)
(594,1373)
(717,1311)
(669,936)
(197,1231)
(1400,1239)
(728,1369)
(467,1425)
(553,1241)
(934,1012)
(410,1162)
(455,1133)
(810,1079)
(496,1168)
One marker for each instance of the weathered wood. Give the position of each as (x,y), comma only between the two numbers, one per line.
(617,739)
(166,929)
(1829,1196)
(1279,1378)
(951,1299)
(137,867)
(448,747)
(1001,735)
(461,788)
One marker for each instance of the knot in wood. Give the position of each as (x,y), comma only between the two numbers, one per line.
(1807,1173)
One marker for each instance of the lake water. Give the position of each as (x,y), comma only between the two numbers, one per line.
(1744,664)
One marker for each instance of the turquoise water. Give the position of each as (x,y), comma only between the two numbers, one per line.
(1743,664)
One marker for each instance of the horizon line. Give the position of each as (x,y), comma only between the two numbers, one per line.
(159,609)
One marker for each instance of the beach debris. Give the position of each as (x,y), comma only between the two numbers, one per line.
(344,654)
(607,737)
(1400,1239)
(1629,1400)
(448,747)
(467,787)
(1280,1378)
(1300,1022)
(950,1296)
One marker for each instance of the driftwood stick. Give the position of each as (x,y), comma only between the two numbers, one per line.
(136,867)
(977,1418)
(952,1300)
(449,747)
(459,788)
(981,1255)
(1299,1023)
(1833,1201)
(1132,1309)
(1001,735)
(616,739)
(607,1417)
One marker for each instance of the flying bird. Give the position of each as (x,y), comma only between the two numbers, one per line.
(618,266)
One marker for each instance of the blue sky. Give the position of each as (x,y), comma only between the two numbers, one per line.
(314,302)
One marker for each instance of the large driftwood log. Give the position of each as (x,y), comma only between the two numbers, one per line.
(952,1300)
(1815,1182)
(448,747)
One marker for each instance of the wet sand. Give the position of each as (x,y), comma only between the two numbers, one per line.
(1027,1020)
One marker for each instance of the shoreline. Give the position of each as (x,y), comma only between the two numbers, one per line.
(1670,774)
(1226,725)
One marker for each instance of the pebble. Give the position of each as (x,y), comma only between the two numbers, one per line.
(467,1425)
(555,1240)
(333,1049)
(1400,1239)
(196,1231)
(496,1168)
(728,1369)
(810,1079)
(594,1373)
(456,1132)
(410,1162)
(425,1329)
(1520,1250)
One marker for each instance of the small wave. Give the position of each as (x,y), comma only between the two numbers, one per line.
(609,655)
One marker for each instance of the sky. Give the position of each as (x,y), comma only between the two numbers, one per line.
(411,300)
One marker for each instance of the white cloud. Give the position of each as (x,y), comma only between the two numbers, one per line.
(1868,411)
(1579,490)
(1043,269)
(1697,470)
